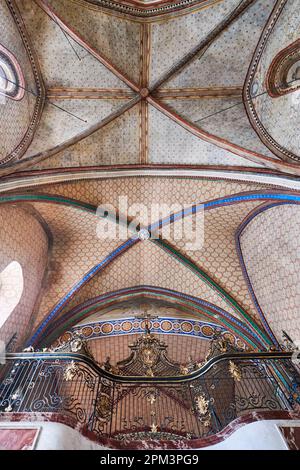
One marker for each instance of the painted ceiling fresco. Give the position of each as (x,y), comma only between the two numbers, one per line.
(190,104)
(170,85)
(225,279)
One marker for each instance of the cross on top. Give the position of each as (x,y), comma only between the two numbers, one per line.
(147,316)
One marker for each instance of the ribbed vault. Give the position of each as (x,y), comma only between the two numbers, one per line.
(274,76)
(176,105)
(117,86)
(88,274)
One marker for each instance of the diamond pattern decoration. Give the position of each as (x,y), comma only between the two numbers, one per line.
(109,67)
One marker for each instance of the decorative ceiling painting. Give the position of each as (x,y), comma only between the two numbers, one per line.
(276,65)
(111,86)
(149,218)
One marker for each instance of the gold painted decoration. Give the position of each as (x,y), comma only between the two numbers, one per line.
(70,371)
(235,371)
(154,427)
(202,404)
(103,407)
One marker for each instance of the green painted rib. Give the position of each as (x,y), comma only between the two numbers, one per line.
(215,286)
(74,319)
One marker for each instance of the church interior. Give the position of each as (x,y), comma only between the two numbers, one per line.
(149,254)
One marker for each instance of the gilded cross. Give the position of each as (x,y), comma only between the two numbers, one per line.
(147,316)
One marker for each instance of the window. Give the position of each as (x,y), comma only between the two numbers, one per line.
(11,289)
(284,72)
(11,78)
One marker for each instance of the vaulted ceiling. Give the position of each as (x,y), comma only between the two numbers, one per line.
(194,103)
(108,83)
(212,279)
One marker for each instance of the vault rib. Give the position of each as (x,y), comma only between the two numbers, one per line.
(66,93)
(80,40)
(203,45)
(215,286)
(219,142)
(74,140)
(198,93)
(145,51)
(144,122)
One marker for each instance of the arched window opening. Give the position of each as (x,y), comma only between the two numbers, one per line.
(284,72)
(12,82)
(11,289)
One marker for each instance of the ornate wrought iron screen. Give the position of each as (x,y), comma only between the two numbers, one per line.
(189,406)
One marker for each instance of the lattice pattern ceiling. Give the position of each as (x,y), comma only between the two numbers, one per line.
(141,89)
(87,275)
(125,90)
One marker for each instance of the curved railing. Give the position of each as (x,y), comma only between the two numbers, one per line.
(67,357)
(198,404)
